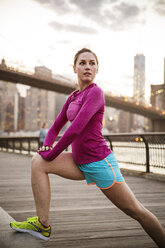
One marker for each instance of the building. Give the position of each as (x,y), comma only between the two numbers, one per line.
(157,98)
(39,104)
(11,106)
(30,112)
(43,71)
(21,113)
(42,105)
(139,78)
(8,107)
(139,122)
(164,70)
(110,120)
(39,108)
(117,121)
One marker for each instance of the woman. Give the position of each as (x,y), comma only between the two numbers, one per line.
(43,133)
(91,159)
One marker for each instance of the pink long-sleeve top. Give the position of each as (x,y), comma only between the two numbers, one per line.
(85,110)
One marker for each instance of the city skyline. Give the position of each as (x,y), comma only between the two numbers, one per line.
(35,32)
(27,113)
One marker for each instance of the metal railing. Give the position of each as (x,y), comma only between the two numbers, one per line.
(145,152)
(142,152)
(19,144)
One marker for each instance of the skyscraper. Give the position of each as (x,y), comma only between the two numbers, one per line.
(140,123)
(139,78)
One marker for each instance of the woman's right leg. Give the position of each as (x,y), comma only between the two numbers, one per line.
(122,196)
(64,166)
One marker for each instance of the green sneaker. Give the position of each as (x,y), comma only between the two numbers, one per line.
(32,226)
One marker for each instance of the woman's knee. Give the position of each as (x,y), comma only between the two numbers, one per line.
(35,163)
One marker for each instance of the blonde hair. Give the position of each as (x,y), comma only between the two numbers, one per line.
(84,50)
(44,124)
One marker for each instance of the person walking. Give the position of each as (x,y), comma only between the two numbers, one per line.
(90,159)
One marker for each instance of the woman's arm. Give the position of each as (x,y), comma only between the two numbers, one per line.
(93,102)
(57,125)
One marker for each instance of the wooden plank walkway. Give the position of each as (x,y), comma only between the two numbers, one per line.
(81,216)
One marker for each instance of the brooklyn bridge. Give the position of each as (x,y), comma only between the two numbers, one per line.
(66,86)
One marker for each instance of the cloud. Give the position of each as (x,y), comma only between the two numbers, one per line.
(72,28)
(116,15)
(159,7)
(122,16)
(113,14)
(127,11)
(63,7)
(89,8)
(59,6)
(64,41)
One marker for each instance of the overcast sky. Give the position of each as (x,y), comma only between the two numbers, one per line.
(49,32)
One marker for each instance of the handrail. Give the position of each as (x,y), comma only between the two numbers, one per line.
(139,149)
(149,147)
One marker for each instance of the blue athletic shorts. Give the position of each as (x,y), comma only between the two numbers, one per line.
(104,173)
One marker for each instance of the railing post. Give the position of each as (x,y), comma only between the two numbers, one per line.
(29,146)
(111,146)
(13,141)
(147,154)
(20,145)
(38,141)
(7,145)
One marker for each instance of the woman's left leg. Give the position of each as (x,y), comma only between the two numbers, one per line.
(124,199)
(63,166)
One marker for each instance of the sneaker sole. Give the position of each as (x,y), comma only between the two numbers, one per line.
(34,233)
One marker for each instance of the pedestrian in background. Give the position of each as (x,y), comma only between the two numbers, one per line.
(43,133)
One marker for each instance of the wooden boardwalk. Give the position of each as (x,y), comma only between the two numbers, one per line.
(81,216)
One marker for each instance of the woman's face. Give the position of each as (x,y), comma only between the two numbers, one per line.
(86,67)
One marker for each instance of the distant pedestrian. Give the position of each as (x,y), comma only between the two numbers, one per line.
(90,159)
(43,133)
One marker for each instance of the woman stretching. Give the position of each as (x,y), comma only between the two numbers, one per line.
(91,158)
